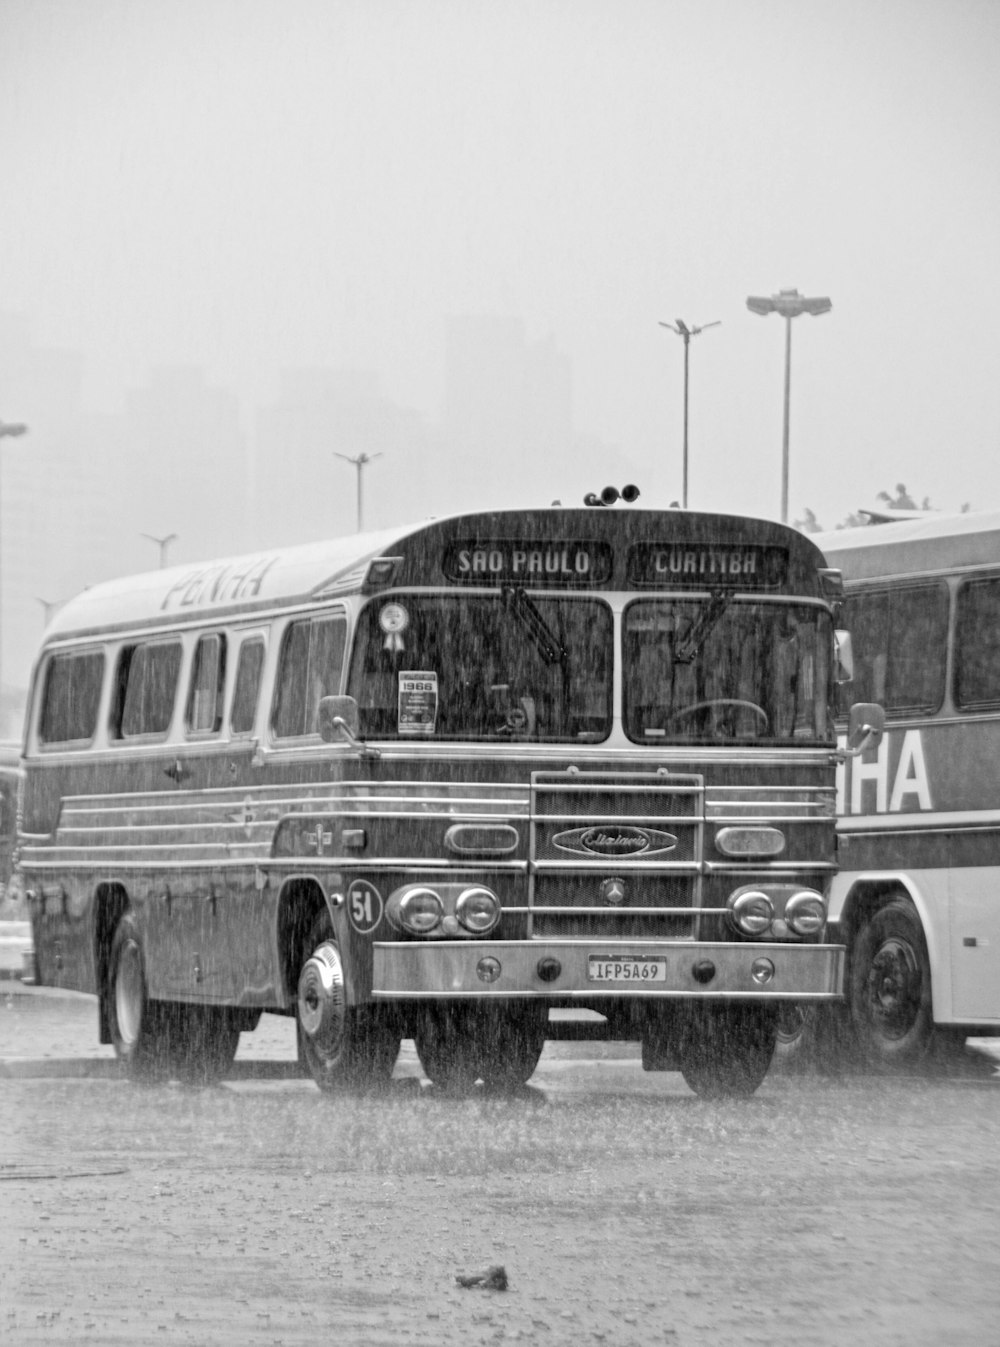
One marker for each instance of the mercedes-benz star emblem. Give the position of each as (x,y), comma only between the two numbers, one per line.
(613,892)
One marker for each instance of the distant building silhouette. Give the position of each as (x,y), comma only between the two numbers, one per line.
(301,490)
(508,406)
(184,467)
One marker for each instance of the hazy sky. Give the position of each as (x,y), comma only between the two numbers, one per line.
(256,184)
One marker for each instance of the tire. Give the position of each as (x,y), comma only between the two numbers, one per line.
(727,1049)
(796,1038)
(341,1046)
(447,1042)
(510,1043)
(889,989)
(202,1042)
(140,1028)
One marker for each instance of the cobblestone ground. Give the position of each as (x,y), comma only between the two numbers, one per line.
(624,1210)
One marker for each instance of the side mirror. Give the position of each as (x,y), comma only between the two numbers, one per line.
(843,657)
(337,720)
(865,727)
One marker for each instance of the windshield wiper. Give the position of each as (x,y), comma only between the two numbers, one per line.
(517,602)
(709,618)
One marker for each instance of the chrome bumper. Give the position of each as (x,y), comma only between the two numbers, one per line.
(448,969)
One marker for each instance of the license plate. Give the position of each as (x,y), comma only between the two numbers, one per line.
(642,968)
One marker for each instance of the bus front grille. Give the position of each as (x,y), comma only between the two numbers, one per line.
(615,854)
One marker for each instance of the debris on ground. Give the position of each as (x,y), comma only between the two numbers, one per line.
(490,1279)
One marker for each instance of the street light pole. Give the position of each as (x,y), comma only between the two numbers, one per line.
(685,332)
(359,462)
(789,304)
(162,544)
(9,429)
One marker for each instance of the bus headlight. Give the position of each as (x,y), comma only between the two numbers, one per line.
(478,910)
(751,912)
(419,911)
(805,913)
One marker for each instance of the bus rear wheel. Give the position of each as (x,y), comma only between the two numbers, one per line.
(890,988)
(727,1049)
(139,1027)
(341,1046)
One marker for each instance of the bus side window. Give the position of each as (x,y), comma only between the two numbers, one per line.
(866,617)
(977,646)
(899,639)
(312,658)
(249,668)
(71,698)
(146,688)
(918,641)
(208,681)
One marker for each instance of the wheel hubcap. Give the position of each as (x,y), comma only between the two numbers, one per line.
(129,993)
(791,1022)
(321,1001)
(894,988)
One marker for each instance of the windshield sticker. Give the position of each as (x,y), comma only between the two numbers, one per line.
(418,702)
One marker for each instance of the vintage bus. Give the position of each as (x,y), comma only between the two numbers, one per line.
(916,900)
(437,782)
(10,776)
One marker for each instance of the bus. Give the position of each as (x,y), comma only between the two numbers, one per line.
(916,899)
(10,776)
(437,782)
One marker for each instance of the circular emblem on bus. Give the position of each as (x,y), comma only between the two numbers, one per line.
(613,892)
(615,841)
(364,906)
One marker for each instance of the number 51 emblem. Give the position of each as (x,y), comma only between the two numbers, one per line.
(364,906)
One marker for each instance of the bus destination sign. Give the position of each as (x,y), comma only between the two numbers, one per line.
(503,561)
(707,565)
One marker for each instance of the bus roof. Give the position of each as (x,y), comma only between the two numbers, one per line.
(427,554)
(934,542)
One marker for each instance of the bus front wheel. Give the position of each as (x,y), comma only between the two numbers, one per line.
(341,1046)
(511,1043)
(447,1043)
(890,988)
(726,1050)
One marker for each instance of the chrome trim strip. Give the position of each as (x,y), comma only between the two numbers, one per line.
(57,858)
(604,911)
(765,868)
(583,867)
(949,820)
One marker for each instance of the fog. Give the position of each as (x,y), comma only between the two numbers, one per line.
(240,237)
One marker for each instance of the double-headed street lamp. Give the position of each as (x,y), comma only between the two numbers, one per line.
(12,429)
(686,333)
(789,303)
(359,462)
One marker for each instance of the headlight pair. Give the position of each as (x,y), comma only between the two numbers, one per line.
(779,912)
(444,910)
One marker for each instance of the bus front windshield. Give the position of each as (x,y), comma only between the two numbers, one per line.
(484,667)
(726,668)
